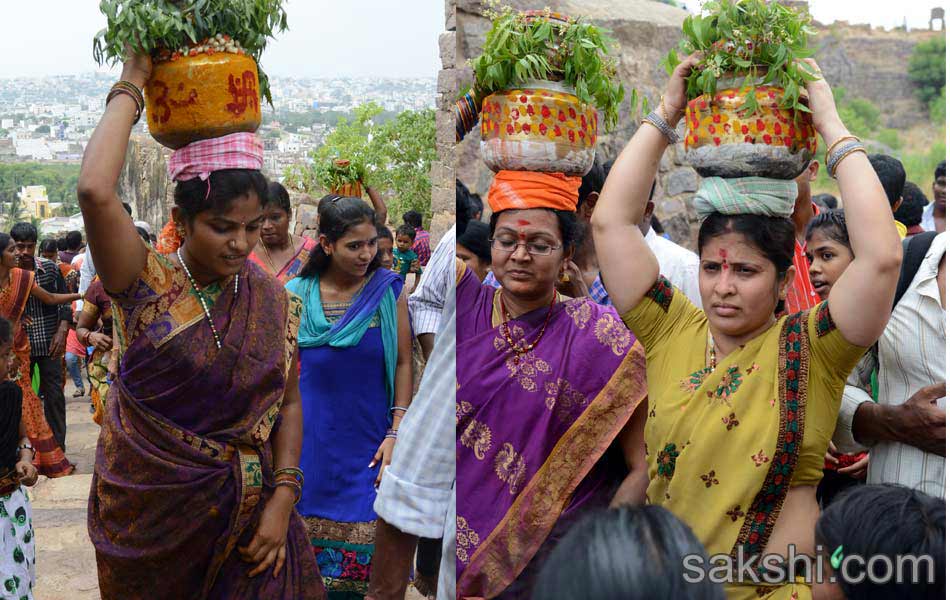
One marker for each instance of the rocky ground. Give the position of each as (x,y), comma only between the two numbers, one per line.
(65,560)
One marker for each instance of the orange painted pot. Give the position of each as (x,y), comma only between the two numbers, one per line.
(541,127)
(349,190)
(722,141)
(200,97)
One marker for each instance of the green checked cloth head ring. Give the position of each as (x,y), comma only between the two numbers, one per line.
(746,196)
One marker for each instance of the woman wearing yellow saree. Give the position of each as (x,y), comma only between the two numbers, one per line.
(741,404)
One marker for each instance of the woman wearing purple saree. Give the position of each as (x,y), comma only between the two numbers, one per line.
(189,497)
(546,386)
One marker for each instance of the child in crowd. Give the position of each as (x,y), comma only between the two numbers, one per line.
(384,245)
(17,545)
(404,258)
(75,355)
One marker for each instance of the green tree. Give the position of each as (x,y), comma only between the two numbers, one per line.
(42,129)
(397,155)
(927,68)
(938,108)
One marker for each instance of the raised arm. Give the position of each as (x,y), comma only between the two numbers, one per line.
(861,299)
(115,246)
(628,267)
(382,213)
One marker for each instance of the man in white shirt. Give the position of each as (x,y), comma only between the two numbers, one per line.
(906,428)
(416,496)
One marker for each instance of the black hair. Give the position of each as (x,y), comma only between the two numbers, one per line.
(656,225)
(337,214)
(49,245)
(143,233)
(383,232)
(407,230)
(5,240)
(592,181)
(6,331)
(774,237)
(225,186)
(61,243)
(911,210)
(413,218)
(941,170)
(277,196)
(127,207)
(73,240)
(477,206)
(893,521)
(891,173)
(825,200)
(571,232)
(832,225)
(24,232)
(626,553)
(463,208)
(475,239)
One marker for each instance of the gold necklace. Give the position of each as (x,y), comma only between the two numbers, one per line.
(270,261)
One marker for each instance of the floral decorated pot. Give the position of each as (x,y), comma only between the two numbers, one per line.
(352,189)
(722,141)
(204,96)
(541,127)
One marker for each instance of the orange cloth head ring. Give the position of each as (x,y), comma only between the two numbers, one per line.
(519,190)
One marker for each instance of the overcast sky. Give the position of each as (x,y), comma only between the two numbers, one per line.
(326,38)
(887,13)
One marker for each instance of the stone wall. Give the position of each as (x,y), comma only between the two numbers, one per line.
(443,169)
(144,181)
(870,63)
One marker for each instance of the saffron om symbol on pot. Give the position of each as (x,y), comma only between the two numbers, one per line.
(243,92)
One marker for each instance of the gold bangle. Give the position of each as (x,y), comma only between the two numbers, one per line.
(657,127)
(662,109)
(834,174)
(838,141)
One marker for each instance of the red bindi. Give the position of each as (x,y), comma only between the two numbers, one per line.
(523,223)
(724,255)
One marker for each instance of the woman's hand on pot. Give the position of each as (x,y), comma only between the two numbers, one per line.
(137,68)
(674,99)
(821,101)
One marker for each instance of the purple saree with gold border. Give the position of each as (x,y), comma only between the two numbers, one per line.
(532,431)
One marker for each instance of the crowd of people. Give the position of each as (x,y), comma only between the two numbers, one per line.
(624,403)
(250,384)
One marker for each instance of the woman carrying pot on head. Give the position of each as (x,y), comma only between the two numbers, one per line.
(279,252)
(16,287)
(196,470)
(546,386)
(356,384)
(742,405)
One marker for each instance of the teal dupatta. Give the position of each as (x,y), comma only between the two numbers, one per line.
(378,296)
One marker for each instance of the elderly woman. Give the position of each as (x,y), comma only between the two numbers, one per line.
(546,385)
(742,405)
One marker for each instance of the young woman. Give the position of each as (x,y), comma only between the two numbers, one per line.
(356,384)
(194,485)
(16,287)
(742,406)
(17,544)
(279,252)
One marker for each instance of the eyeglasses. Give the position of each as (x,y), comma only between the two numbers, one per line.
(534,248)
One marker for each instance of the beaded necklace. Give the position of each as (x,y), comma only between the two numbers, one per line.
(201,298)
(519,351)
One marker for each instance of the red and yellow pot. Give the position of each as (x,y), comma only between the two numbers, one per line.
(200,97)
(352,189)
(541,127)
(723,141)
